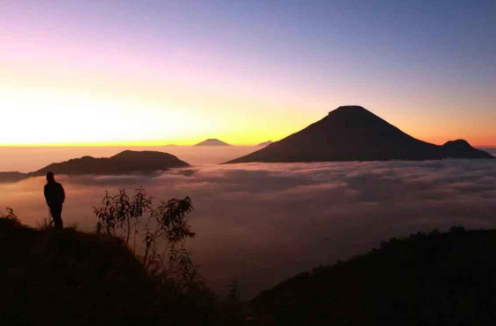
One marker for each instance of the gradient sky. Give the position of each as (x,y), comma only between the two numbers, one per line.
(158,72)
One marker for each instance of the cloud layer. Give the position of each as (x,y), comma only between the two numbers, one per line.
(262,223)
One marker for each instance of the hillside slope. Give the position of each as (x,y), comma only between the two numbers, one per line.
(436,279)
(64,277)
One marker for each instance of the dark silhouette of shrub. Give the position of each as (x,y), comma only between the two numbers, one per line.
(9,215)
(156,235)
(235,312)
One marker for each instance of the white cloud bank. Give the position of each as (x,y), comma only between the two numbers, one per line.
(262,223)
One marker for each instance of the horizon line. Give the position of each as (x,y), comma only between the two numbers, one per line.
(119,144)
(156,144)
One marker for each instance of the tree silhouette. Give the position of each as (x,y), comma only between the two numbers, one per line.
(156,235)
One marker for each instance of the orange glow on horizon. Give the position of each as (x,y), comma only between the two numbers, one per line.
(61,106)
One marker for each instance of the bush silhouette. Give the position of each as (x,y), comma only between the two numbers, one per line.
(10,215)
(156,235)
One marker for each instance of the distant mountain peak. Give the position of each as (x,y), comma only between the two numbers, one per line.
(267,143)
(460,147)
(350,109)
(212,142)
(352,133)
(458,143)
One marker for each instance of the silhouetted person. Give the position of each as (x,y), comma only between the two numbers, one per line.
(55,197)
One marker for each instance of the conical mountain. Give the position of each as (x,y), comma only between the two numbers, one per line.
(351,133)
(212,142)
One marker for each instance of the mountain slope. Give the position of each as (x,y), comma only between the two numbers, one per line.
(434,279)
(212,142)
(122,163)
(351,133)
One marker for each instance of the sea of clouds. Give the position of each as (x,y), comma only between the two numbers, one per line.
(263,223)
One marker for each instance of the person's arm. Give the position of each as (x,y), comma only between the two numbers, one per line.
(45,192)
(62,192)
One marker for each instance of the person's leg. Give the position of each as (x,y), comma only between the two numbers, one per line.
(57,216)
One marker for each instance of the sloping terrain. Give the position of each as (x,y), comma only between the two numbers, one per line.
(65,277)
(69,278)
(426,279)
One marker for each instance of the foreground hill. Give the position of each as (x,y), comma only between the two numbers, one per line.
(435,279)
(351,133)
(64,277)
(55,277)
(212,142)
(123,163)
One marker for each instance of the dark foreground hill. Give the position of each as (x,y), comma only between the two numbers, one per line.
(351,133)
(436,279)
(64,277)
(126,162)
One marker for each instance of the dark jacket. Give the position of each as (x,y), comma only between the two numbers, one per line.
(54,194)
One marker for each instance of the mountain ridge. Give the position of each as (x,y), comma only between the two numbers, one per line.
(122,163)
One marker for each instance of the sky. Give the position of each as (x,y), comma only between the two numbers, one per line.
(158,72)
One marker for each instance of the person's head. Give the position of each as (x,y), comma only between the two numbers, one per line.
(50,177)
